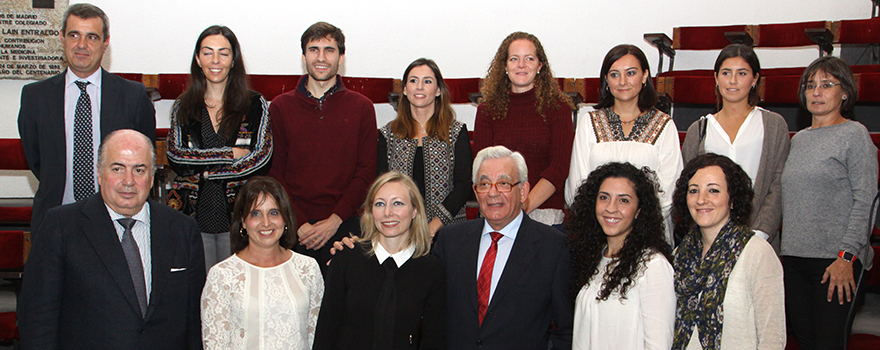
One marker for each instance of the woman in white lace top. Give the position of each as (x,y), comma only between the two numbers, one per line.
(264,296)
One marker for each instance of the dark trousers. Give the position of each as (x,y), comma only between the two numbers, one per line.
(322,255)
(815,322)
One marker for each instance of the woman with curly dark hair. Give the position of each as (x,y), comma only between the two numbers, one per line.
(621,271)
(626,127)
(524,109)
(728,285)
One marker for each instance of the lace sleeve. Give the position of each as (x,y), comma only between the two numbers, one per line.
(215,310)
(315,283)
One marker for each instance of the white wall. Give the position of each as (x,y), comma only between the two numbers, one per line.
(382,37)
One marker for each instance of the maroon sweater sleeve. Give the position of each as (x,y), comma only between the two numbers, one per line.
(483,133)
(561,139)
(365,171)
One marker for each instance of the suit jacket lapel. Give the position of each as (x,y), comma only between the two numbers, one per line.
(108,103)
(470,252)
(163,247)
(102,235)
(54,123)
(521,256)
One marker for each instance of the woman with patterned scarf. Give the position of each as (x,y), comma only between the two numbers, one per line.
(728,286)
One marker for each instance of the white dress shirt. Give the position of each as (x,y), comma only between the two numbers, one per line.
(71,96)
(746,149)
(505,244)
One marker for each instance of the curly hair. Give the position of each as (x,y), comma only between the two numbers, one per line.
(739,186)
(405,126)
(588,240)
(236,97)
(647,95)
(496,87)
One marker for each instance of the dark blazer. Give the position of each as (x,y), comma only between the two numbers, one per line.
(531,295)
(354,284)
(77,291)
(124,105)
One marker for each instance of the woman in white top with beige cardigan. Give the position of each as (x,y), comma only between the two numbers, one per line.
(728,282)
(751,136)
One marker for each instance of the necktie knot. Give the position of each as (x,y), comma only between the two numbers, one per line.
(127,223)
(82,85)
(496,236)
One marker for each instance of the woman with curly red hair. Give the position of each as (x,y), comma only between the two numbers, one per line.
(524,109)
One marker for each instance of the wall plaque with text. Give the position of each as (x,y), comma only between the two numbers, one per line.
(30,45)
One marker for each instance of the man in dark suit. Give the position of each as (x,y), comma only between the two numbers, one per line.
(109,272)
(507,276)
(50,108)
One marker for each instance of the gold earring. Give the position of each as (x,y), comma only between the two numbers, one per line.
(242,233)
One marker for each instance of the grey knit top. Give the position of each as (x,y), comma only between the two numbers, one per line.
(828,185)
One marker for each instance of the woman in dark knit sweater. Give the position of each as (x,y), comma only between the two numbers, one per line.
(388,292)
(524,109)
(426,143)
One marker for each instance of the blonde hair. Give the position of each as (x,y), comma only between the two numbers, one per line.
(419,236)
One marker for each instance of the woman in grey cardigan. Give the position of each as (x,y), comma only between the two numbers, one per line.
(751,136)
(828,184)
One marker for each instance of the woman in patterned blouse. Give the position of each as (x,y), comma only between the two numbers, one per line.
(426,143)
(627,127)
(219,137)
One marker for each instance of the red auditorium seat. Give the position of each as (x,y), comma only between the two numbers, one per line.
(8,327)
(863,342)
(858,31)
(702,38)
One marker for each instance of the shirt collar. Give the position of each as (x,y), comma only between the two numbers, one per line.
(508,231)
(305,91)
(95,78)
(143,215)
(400,257)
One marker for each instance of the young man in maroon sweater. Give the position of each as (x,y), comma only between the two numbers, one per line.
(325,145)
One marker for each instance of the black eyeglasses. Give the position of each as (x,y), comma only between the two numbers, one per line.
(501,186)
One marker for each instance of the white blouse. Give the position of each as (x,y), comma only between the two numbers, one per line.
(645,320)
(250,307)
(662,154)
(746,149)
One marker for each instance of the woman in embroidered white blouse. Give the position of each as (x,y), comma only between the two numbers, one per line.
(264,296)
(625,126)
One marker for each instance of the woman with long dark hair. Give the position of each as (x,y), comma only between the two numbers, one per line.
(426,143)
(524,109)
(626,126)
(219,137)
(753,137)
(728,283)
(621,270)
